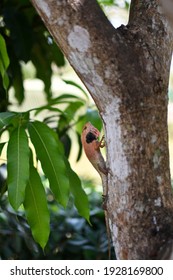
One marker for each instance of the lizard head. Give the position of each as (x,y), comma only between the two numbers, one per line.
(89,133)
(88,127)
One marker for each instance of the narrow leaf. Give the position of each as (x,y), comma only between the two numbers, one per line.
(69,114)
(72,108)
(36,208)
(3,53)
(47,107)
(80,146)
(65,97)
(68,82)
(16,73)
(80,197)
(4,62)
(49,152)
(17,166)
(66,141)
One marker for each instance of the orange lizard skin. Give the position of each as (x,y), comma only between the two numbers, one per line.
(92,146)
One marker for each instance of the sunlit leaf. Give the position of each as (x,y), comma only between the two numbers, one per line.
(36,208)
(49,152)
(107,2)
(17,166)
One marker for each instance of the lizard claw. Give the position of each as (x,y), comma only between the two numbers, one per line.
(102,142)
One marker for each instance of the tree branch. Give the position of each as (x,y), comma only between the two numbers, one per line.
(80,28)
(126,71)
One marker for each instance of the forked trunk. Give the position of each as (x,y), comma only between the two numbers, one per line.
(126,70)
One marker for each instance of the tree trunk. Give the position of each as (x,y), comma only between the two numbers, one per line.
(126,70)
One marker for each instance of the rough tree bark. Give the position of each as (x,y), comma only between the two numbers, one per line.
(126,71)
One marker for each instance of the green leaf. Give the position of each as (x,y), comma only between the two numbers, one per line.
(36,208)
(14,119)
(17,76)
(94,117)
(48,107)
(90,116)
(127,5)
(57,55)
(66,97)
(17,166)
(69,114)
(6,118)
(4,62)
(49,152)
(3,52)
(80,146)
(107,2)
(66,141)
(41,62)
(62,99)
(21,34)
(80,197)
(68,82)
(72,108)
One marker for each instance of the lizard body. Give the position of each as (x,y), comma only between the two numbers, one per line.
(92,146)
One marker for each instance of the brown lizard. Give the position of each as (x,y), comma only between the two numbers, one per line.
(92,146)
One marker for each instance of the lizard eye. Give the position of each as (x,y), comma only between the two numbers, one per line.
(85,127)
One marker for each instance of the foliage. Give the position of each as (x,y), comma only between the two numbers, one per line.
(24,183)
(71,236)
(27,40)
(4,62)
(23,38)
(51,146)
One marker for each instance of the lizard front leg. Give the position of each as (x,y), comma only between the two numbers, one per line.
(101,143)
